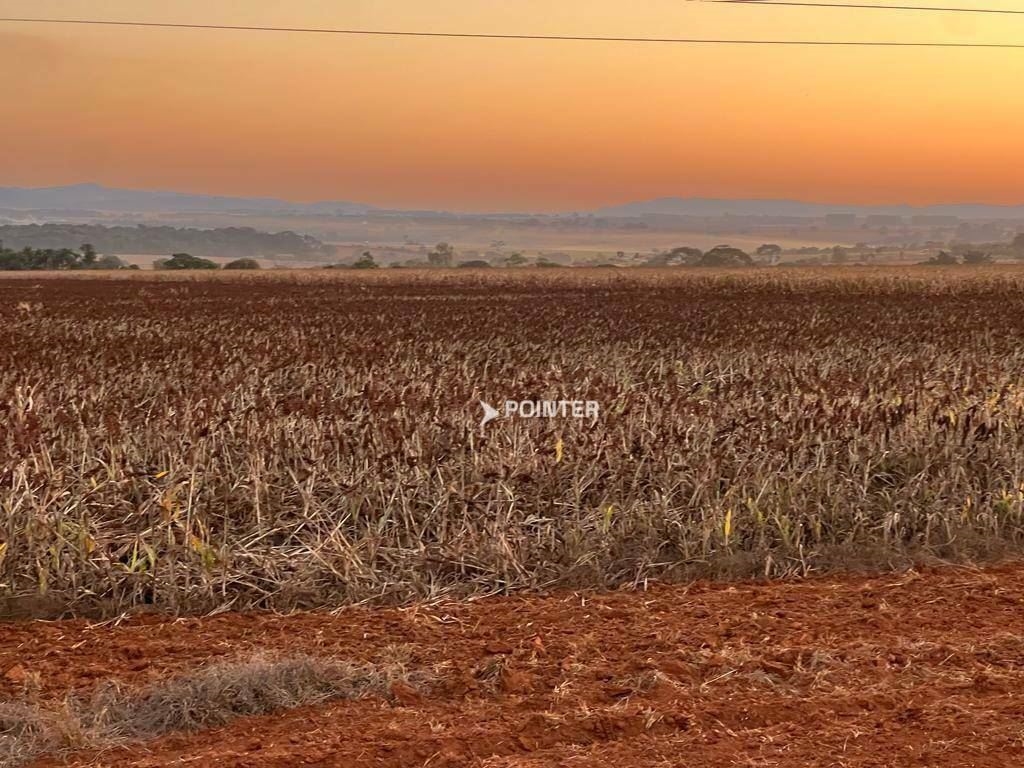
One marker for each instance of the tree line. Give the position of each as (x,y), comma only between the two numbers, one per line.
(160,240)
(85,257)
(444,255)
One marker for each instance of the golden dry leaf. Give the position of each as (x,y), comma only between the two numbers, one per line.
(608,512)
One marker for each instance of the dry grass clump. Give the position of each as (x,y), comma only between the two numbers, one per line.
(211,697)
(28,730)
(287,442)
(221,692)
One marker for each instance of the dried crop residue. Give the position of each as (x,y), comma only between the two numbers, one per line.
(920,668)
(311,439)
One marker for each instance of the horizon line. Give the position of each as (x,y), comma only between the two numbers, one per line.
(390,208)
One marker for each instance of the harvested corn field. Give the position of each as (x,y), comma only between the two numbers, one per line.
(301,439)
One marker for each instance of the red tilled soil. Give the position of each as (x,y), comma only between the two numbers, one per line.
(899,670)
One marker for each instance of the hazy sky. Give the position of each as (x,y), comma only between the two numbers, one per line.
(475,125)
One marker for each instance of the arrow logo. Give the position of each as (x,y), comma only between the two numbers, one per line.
(489,414)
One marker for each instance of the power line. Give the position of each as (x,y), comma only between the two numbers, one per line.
(872,6)
(499,36)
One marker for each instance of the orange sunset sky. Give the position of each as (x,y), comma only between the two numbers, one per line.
(513,125)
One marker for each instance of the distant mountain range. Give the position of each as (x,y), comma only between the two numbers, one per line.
(712,207)
(94,197)
(79,198)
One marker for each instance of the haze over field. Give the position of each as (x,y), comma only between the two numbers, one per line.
(90,197)
(142,225)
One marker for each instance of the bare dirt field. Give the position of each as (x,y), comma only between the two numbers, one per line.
(910,669)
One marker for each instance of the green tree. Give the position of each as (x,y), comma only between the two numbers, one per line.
(942,259)
(1017,246)
(365,262)
(442,255)
(684,255)
(184,261)
(725,256)
(243,264)
(977,257)
(88,254)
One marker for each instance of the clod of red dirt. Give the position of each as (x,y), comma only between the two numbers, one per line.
(405,694)
(17,674)
(689,676)
(516,681)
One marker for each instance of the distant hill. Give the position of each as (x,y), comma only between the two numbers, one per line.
(227,241)
(94,197)
(77,199)
(713,207)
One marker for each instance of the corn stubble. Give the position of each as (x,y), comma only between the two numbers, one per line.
(300,440)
